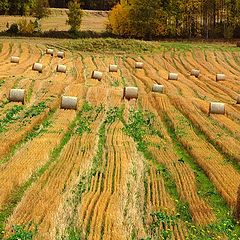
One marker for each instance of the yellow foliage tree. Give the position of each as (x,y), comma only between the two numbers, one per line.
(119,19)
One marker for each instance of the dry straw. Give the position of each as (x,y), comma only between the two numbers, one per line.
(216,108)
(220,77)
(172,76)
(37,67)
(113,68)
(15,59)
(61,68)
(61,54)
(68,102)
(130,93)
(50,51)
(139,65)
(97,75)
(195,73)
(158,88)
(17,95)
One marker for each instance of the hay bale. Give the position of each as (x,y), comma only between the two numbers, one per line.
(238,99)
(17,95)
(60,54)
(50,51)
(195,73)
(139,65)
(220,77)
(216,108)
(172,76)
(130,93)
(69,102)
(37,67)
(61,68)
(113,68)
(15,59)
(97,75)
(158,88)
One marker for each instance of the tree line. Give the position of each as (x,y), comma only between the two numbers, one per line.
(24,7)
(176,18)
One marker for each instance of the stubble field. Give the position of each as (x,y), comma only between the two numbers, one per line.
(154,168)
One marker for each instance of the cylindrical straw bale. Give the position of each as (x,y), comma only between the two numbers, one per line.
(220,77)
(61,68)
(61,54)
(139,65)
(15,59)
(17,95)
(216,108)
(50,51)
(97,75)
(113,68)
(130,92)
(69,102)
(238,99)
(172,76)
(37,67)
(158,88)
(195,73)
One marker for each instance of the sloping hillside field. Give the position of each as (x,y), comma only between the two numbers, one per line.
(156,167)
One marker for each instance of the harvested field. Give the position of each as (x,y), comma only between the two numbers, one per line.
(158,166)
(56,21)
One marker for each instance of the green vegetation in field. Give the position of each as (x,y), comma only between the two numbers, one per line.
(2,81)
(225,224)
(30,91)
(35,110)
(21,234)
(88,115)
(17,195)
(109,45)
(11,115)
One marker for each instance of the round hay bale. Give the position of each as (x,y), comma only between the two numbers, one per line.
(69,102)
(15,59)
(158,88)
(61,68)
(61,54)
(50,51)
(97,75)
(139,65)
(113,68)
(220,77)
(37,67)
(172,76)
(17,95)
(195,73)
(216,108)
(238,99)
(130,93)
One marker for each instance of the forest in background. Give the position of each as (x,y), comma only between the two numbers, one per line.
(150,19)
(176,18)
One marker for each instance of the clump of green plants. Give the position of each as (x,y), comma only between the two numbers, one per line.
(88,115)
(35,110)
(20,233)
(10,117)
(167,221)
